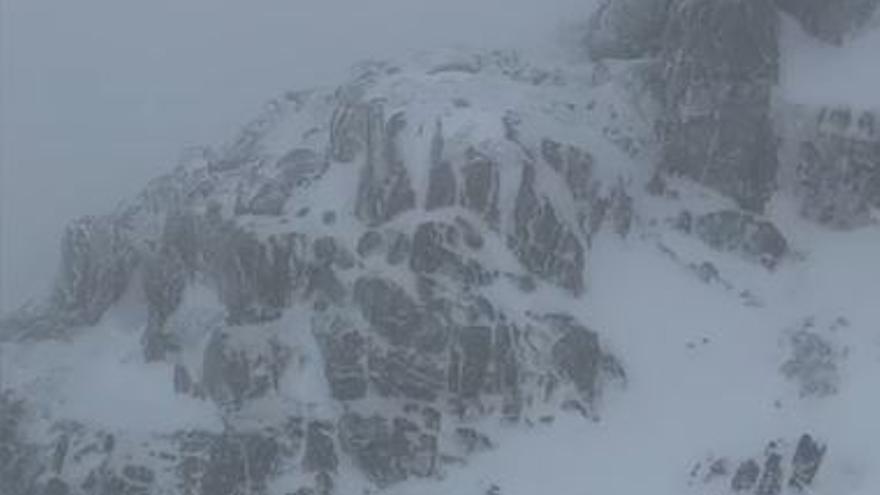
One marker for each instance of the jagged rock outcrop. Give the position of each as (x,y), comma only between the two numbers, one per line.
(837,167)
(97,261)
(19,465)
(737,232)
(238,366)
(543,243)
(388,451)
(719,61)
(371,329)
(830,20)
(814,358)
(781,467)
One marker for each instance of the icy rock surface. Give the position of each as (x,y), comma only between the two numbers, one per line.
(782,468)
(836,158)
(375,333)
(382,285)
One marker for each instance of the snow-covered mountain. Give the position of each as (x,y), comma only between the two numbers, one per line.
(650,272)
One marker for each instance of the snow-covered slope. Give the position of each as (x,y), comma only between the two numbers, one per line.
(470,273)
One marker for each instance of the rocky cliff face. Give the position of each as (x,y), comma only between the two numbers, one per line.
(835,159)
(720,64)
(438,206)
(374,278)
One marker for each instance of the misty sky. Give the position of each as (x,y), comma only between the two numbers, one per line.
(98,96)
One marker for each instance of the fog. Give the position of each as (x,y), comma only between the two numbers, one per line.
(98,96)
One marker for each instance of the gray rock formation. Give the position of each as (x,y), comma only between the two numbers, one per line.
(385,190)
(838,167)
(780,467)
(740,233)
(542,242)
(238,366)
(719,62)
(19,465)
(813,363)
(97,261)
(371,332)
(746,476)
(388,451)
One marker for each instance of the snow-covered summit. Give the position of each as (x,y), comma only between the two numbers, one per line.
(617,275)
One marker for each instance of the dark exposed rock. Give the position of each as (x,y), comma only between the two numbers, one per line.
(441,192)
(812,364)
(470,234)
(97,262)
(56,486)
(386,452)
(239,463)
(369,441)
(255,279)
(830,20)
(479,192)
(808,457)
(399,373)
(392,313)
(721,63)
(344,353)
(268,198)
(348,131)
(578,357)
(323,285)
(838,169)
(239,365)
(472,440)
(483,361)
(19,467)
(329,251)
(737,232)
(542,242)
(746,476)
(771,478)
(183,383)
(766,474)
(399,247)
(423,345)
(384,190)
(621,211)
(164,281)
(437,250)
(60,453)
(441,182)
(370,243)
(320,451)
(139,474)
(301,166)
(476,348)
(576,167)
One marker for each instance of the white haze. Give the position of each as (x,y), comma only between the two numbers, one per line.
(98,96)
(814,72)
